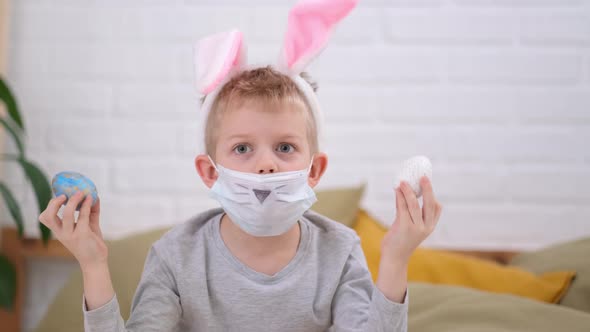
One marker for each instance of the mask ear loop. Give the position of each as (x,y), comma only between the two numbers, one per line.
(213,163)
(310,164)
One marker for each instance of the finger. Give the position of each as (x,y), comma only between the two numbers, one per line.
(403,212)
(95,212)
(49,217)
(70,209)
(429,202)
(95,209)
(412,203)
(95,216)
(438,212)
(84,216)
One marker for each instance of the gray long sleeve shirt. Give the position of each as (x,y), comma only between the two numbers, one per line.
(192,282)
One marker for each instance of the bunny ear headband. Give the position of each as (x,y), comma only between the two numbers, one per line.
(221,56)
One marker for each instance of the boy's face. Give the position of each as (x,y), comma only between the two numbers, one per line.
(263,141)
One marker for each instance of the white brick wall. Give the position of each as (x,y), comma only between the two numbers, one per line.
(496,92)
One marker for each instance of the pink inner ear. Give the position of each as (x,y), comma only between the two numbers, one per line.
(216,56)
(232,60)
(309,27)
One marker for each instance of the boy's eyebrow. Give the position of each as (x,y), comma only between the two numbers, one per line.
(238,136)
(287,136)
(292,136)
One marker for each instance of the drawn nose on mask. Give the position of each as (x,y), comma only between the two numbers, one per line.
(261,194)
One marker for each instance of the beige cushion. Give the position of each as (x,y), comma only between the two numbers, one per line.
(127,256)
(571,255)
(438,308)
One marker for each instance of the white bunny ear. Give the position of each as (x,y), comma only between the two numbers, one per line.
(216,56)
(309,27)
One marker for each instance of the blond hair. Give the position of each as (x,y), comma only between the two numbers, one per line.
(265,85)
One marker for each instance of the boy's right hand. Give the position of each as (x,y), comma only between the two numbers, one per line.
(82,238)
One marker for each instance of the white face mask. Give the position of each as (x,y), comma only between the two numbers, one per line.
(263,204)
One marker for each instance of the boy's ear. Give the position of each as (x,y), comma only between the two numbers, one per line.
(318,167)
(206,170)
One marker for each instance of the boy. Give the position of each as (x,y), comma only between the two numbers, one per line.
(262,261)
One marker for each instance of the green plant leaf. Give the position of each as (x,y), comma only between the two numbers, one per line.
(15,134)
(13,207)
(8,98)
(42,191)
(7,283)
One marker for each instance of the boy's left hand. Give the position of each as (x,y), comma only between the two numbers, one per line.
(412,224)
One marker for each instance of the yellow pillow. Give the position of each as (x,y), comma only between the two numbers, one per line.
(371,233)
(441,267)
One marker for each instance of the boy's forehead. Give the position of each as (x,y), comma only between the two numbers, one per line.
(251,120)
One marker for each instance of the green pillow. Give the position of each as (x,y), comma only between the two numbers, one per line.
(126,259)
(340,204)
(571,255)
(441,308)
(127,256)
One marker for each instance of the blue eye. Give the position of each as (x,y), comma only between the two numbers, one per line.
(286,148)
(242,148)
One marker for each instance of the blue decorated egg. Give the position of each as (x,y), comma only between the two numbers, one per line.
(69,183)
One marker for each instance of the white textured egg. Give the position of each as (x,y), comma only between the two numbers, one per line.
(412,170)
